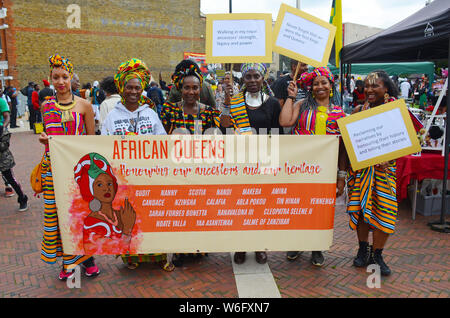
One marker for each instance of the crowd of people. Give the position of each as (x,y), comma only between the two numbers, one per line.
(130,103)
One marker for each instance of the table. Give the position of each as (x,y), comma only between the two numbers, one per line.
(430,165)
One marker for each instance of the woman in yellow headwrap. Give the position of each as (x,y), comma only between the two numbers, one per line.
(317,114)
(135,114)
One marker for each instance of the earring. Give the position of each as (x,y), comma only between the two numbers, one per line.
(331,93)
(95,205)
(386,98)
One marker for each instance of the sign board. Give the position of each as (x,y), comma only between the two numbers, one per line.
(379,134)
(194,193)
(303,37)
(239,38)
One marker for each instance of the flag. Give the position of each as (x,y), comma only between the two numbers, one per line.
(336,20)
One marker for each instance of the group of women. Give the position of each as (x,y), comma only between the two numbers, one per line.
(252,109)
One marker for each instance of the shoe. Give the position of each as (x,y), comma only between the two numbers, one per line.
(178,260)
(13,126)
(9,192)
(239,257)
(90,268)
(293,255)
(261,257)
(23,203)
(65,275)
(317,258)
(363,255)
(378,259)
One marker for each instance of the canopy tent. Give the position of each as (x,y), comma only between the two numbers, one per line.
(390,68)
(423,36)
(420,37)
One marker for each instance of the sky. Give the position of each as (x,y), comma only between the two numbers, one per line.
(373,13)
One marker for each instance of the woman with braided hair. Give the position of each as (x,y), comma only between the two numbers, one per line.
(317,114)
(63,114)
(372,205)
(182,115)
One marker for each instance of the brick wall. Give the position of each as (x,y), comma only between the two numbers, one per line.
(156,31)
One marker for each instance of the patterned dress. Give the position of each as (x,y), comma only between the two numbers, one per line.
(172,116)
(372,195)
(51,244)
(307,122)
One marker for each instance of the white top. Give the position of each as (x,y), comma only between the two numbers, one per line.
(143,121)
(108,105)
(404,87)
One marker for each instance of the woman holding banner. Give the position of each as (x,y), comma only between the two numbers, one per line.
(63,114)
(135,114)
(372,191)
(181,117)
(188,79)
(254,110)
(317,114)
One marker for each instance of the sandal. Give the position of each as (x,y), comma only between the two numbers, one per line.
(132,265)
(168,267)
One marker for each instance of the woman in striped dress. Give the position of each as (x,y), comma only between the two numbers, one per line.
(372,191)
(317,114)
(63,114)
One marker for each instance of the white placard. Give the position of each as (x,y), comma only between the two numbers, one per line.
(239,38)
(378,135)
(303,37)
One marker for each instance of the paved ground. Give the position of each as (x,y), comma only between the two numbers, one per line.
(418,257)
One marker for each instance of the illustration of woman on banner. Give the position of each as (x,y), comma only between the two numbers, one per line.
(98,186)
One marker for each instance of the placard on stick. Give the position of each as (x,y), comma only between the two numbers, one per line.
(303,37)
(379,134)
(239,38)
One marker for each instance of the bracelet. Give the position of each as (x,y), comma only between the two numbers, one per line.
(292,97)
(342,174)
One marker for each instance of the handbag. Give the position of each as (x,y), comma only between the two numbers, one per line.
(36,178)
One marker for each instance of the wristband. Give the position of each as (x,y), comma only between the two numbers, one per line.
(292,97)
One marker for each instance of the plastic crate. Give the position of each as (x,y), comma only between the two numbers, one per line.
(428,205)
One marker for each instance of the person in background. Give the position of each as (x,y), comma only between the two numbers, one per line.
(163,85)
(224,93)
(85,91)
(7,159)
(12,94)
(279,87)
(156,95)
(404,88)
(372,205)
(317,114)
(36,106)
(31,111)
(111,100)
(76,85)
(358,94)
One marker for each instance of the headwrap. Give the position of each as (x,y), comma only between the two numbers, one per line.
(87,170)
(184,69)
(60,61)
(306,79)
(131,69)
(46,83)
(262,69)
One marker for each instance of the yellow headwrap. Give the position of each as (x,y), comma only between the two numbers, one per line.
(60,61)
(131,69)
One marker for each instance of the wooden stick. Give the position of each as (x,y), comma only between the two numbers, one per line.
(296,72)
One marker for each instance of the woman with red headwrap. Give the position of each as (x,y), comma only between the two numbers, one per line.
(98,186)
(317,114)
(63,114)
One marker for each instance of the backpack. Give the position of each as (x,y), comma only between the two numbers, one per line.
(24,91)
(154,96)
